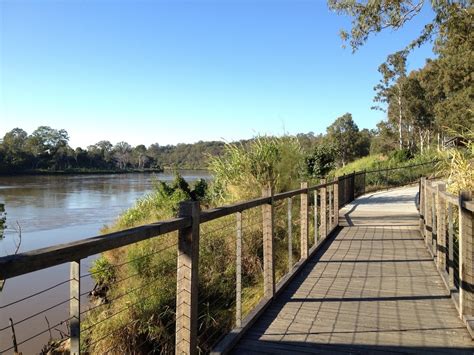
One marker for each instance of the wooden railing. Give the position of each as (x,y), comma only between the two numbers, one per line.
(446,223)
(188,224)
(318,219)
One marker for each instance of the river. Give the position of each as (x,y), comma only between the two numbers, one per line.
(53,210)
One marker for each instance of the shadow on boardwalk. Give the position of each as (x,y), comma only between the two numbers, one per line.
(372,288)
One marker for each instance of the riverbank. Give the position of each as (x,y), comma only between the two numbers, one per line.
(80,172)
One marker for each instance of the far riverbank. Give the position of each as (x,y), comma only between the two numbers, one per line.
(80,172)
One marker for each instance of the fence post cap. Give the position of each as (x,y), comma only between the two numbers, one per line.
(464,195)
(185,208)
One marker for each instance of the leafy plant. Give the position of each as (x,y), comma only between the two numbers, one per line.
(103,271)
(243,170)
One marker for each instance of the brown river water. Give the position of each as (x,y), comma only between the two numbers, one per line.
(53,210)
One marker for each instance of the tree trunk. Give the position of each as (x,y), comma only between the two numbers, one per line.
(421,141)
(400,118)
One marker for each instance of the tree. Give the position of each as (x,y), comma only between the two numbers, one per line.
(446,81)
(369,17)
(418,111)
(14,147)
(384,138)
(455,65)
(49,139)
(391,87)
(363,143)
(320,161)
(122,153)
(343,135)
(140,156)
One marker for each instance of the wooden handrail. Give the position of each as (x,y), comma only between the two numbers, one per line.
(30,261)
(23,263)
(436,208)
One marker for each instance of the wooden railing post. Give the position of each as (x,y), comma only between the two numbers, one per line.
(434,223)
(342,184)
(268,256)
(290,233)
(336,203)
(364,181)
(421,199)
(441,227)
(353,186)
(427,210)
(324,228)
(238,272)
(75,307)
(304,223)
(466,257)
(330,193)
(187,281)
(451,246)
(316,217)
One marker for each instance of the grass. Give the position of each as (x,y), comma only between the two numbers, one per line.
(366,163)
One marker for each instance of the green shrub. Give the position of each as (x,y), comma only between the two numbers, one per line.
(103,271)
(401,156)
(242,171)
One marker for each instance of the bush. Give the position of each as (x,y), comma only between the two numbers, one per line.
(401,155)
(320,161)
(242,171)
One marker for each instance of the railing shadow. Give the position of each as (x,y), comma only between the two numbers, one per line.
(301,347)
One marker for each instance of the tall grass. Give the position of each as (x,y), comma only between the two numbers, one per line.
(242,171)
(457,164)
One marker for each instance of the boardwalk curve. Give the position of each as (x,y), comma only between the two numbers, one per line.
(372,289)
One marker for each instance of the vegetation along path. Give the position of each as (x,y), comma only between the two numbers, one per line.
(373,288)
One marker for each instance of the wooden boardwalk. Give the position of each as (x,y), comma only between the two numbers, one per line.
(373,288)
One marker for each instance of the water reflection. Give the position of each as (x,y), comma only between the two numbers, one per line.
(50,202)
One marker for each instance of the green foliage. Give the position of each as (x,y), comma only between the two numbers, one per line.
(371,17)
(344,136)
(401,156)
(379,161)
(162,202)
(243,170)
(366,163)
(199,192)
(423,105)
(103,271)
(320,161)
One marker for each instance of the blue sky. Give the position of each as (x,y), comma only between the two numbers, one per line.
(184,71)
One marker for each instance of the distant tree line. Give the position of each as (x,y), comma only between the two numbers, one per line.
(48,149)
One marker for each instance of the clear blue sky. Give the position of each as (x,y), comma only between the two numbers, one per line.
(184,71)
